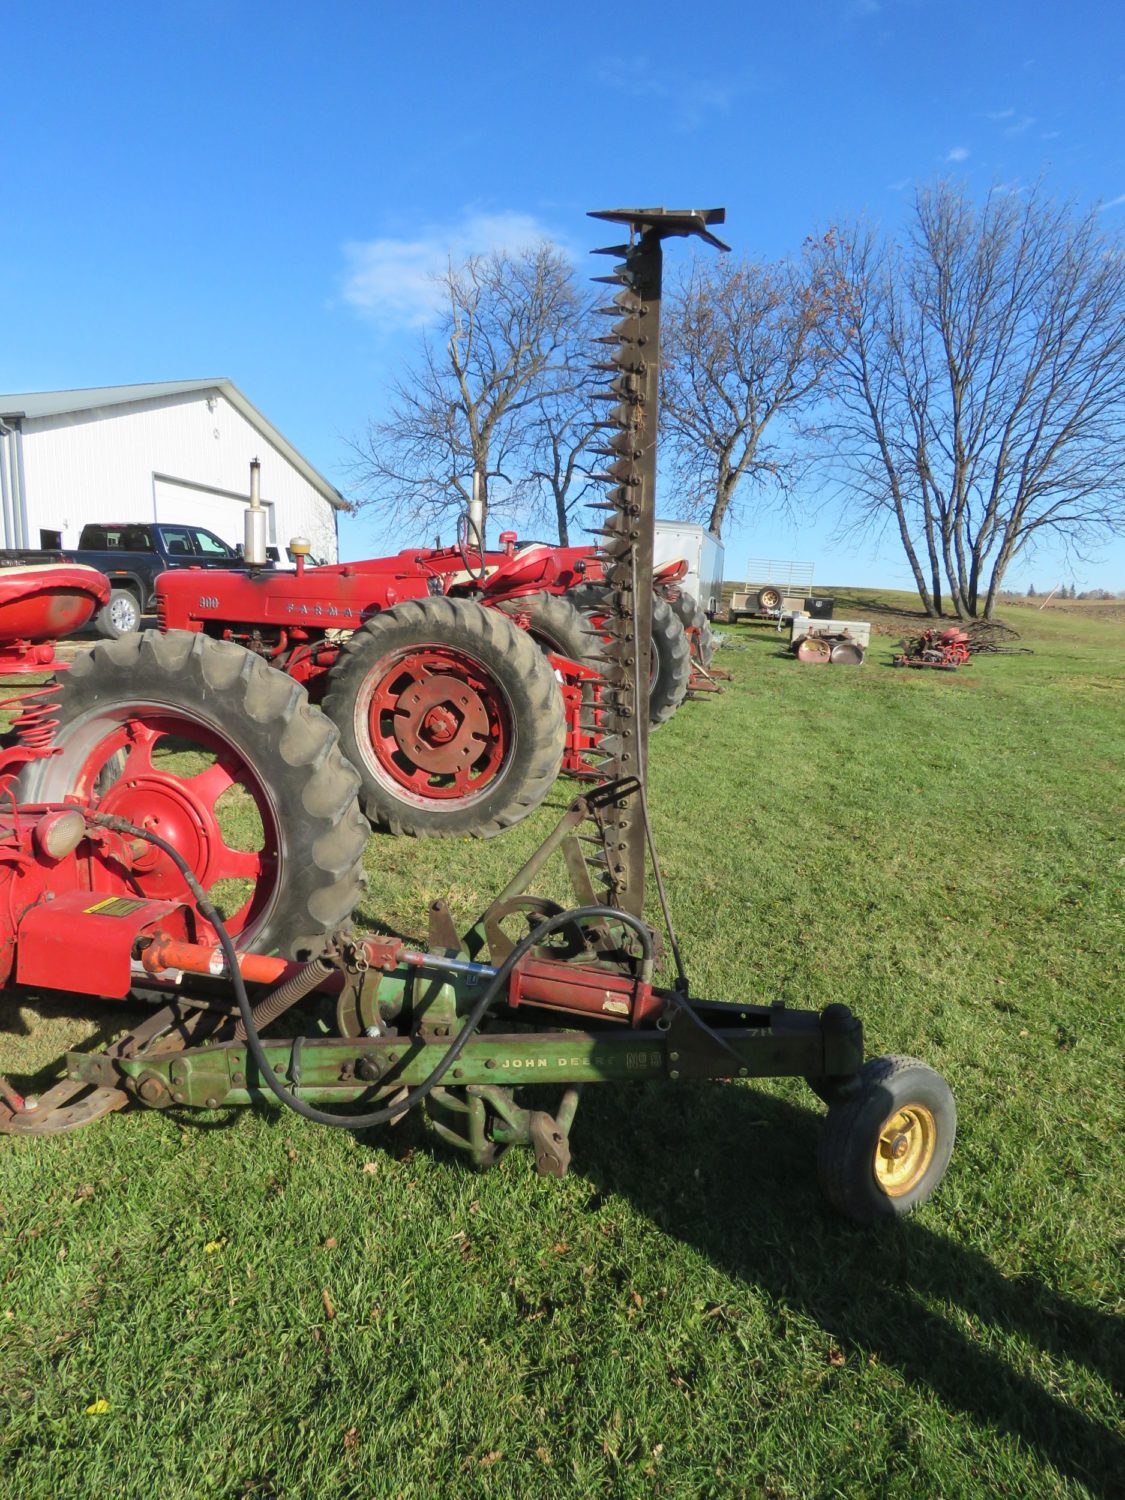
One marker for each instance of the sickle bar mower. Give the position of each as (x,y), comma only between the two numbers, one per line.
(118,867)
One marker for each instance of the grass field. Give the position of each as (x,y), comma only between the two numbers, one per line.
(242,1304)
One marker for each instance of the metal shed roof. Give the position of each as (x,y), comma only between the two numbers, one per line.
(34,404)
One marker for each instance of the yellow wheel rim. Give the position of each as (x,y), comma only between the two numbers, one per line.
(905,1149)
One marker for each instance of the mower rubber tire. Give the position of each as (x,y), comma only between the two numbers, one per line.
(386,695)
(266,737)
(885,1147)
(671,655)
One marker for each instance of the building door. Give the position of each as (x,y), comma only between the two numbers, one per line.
(178,503)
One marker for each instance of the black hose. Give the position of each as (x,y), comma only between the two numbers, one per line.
(472,1022)
(452,1052)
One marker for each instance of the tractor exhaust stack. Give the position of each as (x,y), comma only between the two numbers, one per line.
(254,536)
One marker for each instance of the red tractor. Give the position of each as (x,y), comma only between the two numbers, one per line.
(429,664)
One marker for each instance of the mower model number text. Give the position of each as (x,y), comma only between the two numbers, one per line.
(641,1061)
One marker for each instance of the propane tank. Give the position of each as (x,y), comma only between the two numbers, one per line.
(254,543)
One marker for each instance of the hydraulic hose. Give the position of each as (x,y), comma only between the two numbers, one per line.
(487,999)
(415,1096)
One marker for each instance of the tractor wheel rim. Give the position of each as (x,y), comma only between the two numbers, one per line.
(905,1149)
(181,809)
(435,725)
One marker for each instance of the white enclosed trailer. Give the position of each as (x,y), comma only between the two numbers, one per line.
(704,553)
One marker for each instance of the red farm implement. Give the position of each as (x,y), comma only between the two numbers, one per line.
(124,878)
(943,650)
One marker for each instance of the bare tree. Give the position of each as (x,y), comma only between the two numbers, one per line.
(982,387)
(560,431)
(746,346)
(502,348)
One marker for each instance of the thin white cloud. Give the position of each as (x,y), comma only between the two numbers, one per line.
(1113,203)
(1025,122)
(394,281)
(688,101)
(999,114)
(957,153)
(1049,135)
(900,186)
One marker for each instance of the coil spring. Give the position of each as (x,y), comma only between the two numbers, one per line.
(33,724)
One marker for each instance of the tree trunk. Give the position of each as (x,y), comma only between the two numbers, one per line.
(999,568)
(915,565)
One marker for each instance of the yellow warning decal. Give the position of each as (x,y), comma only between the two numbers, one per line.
(115,906)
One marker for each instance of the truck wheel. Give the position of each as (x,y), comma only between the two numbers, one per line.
(671,658)
(884,1148)
(225,759)
(120,616)
(452,716)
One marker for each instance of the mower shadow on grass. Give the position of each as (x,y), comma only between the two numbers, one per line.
(731,1172)
(37,1062)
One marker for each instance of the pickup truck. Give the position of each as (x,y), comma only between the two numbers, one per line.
(132,556)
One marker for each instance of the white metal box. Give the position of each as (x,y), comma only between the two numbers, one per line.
(858,631)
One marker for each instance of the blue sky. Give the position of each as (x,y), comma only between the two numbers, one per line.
(257,191)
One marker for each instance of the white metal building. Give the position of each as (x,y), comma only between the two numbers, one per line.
(178,450)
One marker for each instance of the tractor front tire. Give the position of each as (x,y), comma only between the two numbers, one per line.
(192,699)
(885,1146)
(452,716)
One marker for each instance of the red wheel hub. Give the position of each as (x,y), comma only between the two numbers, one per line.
(440,724)
(182,810)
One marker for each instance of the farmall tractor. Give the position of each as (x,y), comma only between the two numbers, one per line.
(461,681)
(123,878)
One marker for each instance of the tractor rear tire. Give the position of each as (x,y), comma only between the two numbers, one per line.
(116,703)
(671,664)
(554,622)
(692,616)
(436,761)
(671,656)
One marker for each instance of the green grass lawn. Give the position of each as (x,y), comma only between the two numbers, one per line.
(268,1308)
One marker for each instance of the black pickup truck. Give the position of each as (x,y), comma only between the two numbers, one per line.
(132,556)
